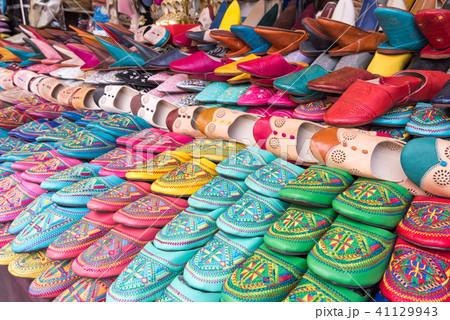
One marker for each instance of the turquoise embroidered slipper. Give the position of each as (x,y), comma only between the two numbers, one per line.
(179,291)
(79,194)
(32,132)
(397,117)
(33,209)
(190,229)
(429,121)
(54,280)
(89,146)
(219,192)
(317,186)
(216,261)
(118,197)
(122,125)
(146,277)
(269,179)
(84,233)
(9,144)
(374,202)
(251,216)
(313,289)
(297,231)
(266,276)
(46,227)
(26,150)
(64,131)
(212,92)
(232,94)
(86,290)
(351,254)
(70,176)
(244,162)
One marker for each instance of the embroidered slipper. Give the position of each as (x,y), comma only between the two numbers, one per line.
(251,215)
(86,290)
(312,111)
(186,179)
(34,160)
(400,285)
(81,235)
(17,199)
(79,193)
(133,161)
(212,92)
(40,172)
(93,118)
(396,133)
(425,223)
(190,229)
(5,235)
(233,94)
(111,156)
(213,150)
(396,117)
(373,202)
(9,182)
(113,252)
(158,166)
(219,192)
(118,197)
(9,144)
(313,289)
(244,163)
(299,229)
(32,210)
(122,125)
(275,275)
(70,176)
(287,138)
(166,142)
(215,262)
(25,151)
(429,121)
(53,281)
(134,138)
(5,170)
(179,291)
(170,85)
(271,178)
(31,132)
(29,265)
(317,186)
(359,152)
(7,255)
(150,211)
(142,279)
(351,254)
(61,132)
(89,146)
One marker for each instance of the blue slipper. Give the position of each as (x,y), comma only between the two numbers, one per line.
(89,146)
(64,131)
(179,291)
(397,117)
(26,150)
(70,176)
(122,125)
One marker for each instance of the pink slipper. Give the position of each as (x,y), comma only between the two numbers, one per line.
(132,161)
(167,142)
(170,85)
(137,137)
(281,98)
(111,156)
(256,96)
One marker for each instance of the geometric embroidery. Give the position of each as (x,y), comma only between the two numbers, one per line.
(86,290)
(5,236)
(34,208)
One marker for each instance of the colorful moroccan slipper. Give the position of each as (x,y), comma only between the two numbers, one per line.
(299,229)
(81,235)
(416,275)
(26,150)
(79,194)
(186,179)
(374,202)
(216,261)
(273,276)
(34,159)
(190,229)
(426,223)
(244,162)
(317,186)
(251,216)
(429,121)
(29,265)
(132,161)
(313,289)
(89,146)
(213,150)
(150,211)
(142,280)
(86,290)
(118,197)
(219,192)
(269,179)
(7,255)
(137,137)
(351,254)
(179,291)
(111,156)
(54,280)
(5,235)
(70,176)
(108,256)
(397,117)
(40,172)
(9,182)
(122,125)
(46,227)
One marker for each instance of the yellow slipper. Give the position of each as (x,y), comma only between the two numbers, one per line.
(232,16)
(242,78)
(7,255)
(211,149)
(231,70)
(387,64)
(29,265)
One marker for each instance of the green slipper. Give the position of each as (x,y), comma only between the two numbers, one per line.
(212,92)
(266,276)
(379,203)
(297,231)
(244,162)
(352,254)
(317,186)
(313,289)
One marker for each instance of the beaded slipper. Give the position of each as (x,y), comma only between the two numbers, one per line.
(429,121)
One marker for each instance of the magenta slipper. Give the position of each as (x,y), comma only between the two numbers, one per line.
(256,96)
(40,172)
(111,156)
(168,142)
(199,62)
(281,99)
(5,236)
(132,161)
(137,137)
(34,160)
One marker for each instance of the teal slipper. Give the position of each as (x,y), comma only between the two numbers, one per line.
(69,176)
(251,216)
(269,179)
(25,151)
(266,276)
(190,229)
(212,92)
(317,186)
(179,291)
(244,162)
(216,261)
(297,231)
(219,192)
(61,132)
(5,169)
(122,125)
(232,94)
(79,194)
(89,146)
(145,278)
